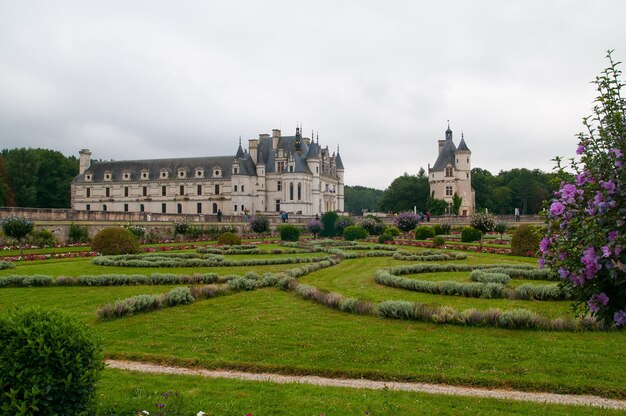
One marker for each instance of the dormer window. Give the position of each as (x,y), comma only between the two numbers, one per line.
(145,174)
(182,173)
(199,173)
(126,175)
(88,177)
(449,171)
(235,170)
(217,172)
(107,175)
(164,174)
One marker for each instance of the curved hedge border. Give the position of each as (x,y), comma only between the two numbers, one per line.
(194,260)
(428,256)
(6,265)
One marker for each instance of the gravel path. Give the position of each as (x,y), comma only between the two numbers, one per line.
(550,398)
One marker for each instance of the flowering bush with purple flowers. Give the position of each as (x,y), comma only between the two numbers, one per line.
(406,221)
(586,228)
(314,227)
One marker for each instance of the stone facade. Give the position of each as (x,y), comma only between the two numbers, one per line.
(277,173)
(452,174)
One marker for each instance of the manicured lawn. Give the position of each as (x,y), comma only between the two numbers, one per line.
(121,392)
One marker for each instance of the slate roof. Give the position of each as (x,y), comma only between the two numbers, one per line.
(338,162)
(266,155)
(462,145)
(154,167)
(446,156)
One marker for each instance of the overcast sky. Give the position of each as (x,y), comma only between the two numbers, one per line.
(158,79)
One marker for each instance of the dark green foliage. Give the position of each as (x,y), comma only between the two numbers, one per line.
(456,203)
(228,239)
(354,232)
(49,363)
(328,220)
(289,232)
(470,234)
(392,231)
(42,238)
(372,226)
(17,227)
(438,241)
(115,240)
(359,199)
(383,238)
(424,232)
(406,192)
(78,233)
(259,224)
(501,228)
(446,227)
(138,231)
(342,222)
(525,240)
(181,227)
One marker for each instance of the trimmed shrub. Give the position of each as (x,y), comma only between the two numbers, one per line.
(372,226)
(438,241)
(17,227)
(438,230)
(406,221)
(228,239)
(392,231)
(470,234)
(179,296)
(181,227)
(501,228)
(42,238)
(483,222)
(525,241)
(342,223)
(354,232)
(114,241)
(315,227)
(328,220)
(383,238)
(489,277)
(289,232)
(78,233)
(6,265)
(137,231)
(259,224)
(424,232)
(446,227)
(49,363)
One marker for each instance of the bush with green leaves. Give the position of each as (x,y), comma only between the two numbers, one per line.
(17,227)
(384,238)
(525,240)
(342,223)
(6,265)
(355,232)
(372,226)
(424,232)
(137,230)
(328,220)
(406,221)
(446,227)
(438,241)
(289,232)
(501,228)
(114,241)
(49,363)
(470,234)
(483,221)
(315,227)
(181,227)
(228,239)
(42,238)
(259,224)
(78,233)
(392,231)
(489,277)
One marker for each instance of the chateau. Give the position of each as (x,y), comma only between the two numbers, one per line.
(451,174)
(276,173)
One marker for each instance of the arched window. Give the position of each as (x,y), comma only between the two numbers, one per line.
(141,208)
(214,208)
(291,191)
(180,209)
(299,191)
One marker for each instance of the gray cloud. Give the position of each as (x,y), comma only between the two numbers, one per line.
(161,79)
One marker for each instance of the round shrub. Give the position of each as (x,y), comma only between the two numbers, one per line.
(42,238)
(525,240)
(383,238)
(372,226)
(438,241)
(392,231)
(115,240)
(314,227)
(354,232)
(49,363)
(289,232)
(483,221)
(342,223)
(78,233)
(259,224)
(446,227)
(228,239)
(328,220)
(406,221)
(470,234)
(501,228)
(424,232)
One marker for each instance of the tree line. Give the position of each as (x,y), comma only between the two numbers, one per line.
(36,178)
(499,194)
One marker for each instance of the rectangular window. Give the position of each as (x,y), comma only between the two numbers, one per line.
(163,208)
(181,191)
(88,207)
(235,207)
(448,191)
(199,190)
(163,190)
(242,209)
(217,189)
(144,191)
(142,208)
(199,208)
(290,168)
(126,191)
(279,186)
(280,166)
(235,189)
(88,192)
(241,188)
(107,191)
(125,207)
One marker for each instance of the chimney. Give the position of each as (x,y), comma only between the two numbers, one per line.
(84,161)
(441,144)
(253,145)
(275,138)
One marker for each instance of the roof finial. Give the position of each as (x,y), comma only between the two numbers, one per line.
(240,140)
(448,124)
(318,137)
(337,148)
(461,134)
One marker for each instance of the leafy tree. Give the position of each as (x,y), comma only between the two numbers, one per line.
(406,192)
(22,167)
(456,203)
(360,199)
(436,206)
(54,179)
(586,232)
(328,220)
(260,224)
(6,193)
(314,227)
(17,227)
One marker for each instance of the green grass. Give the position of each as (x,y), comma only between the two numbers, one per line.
(126,393)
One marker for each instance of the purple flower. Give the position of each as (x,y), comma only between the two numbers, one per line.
(583,178)
(541,262)
(613,235)
(569,192)
(606,251)
(608,185)
(596,300)
(620,318)
(590,260)
(563,273)
(618,153)
(544,245)
(557,208)
(580,149)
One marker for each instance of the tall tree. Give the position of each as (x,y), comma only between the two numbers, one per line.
(7,199)
(360,198)
(22,166)
(406,192)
